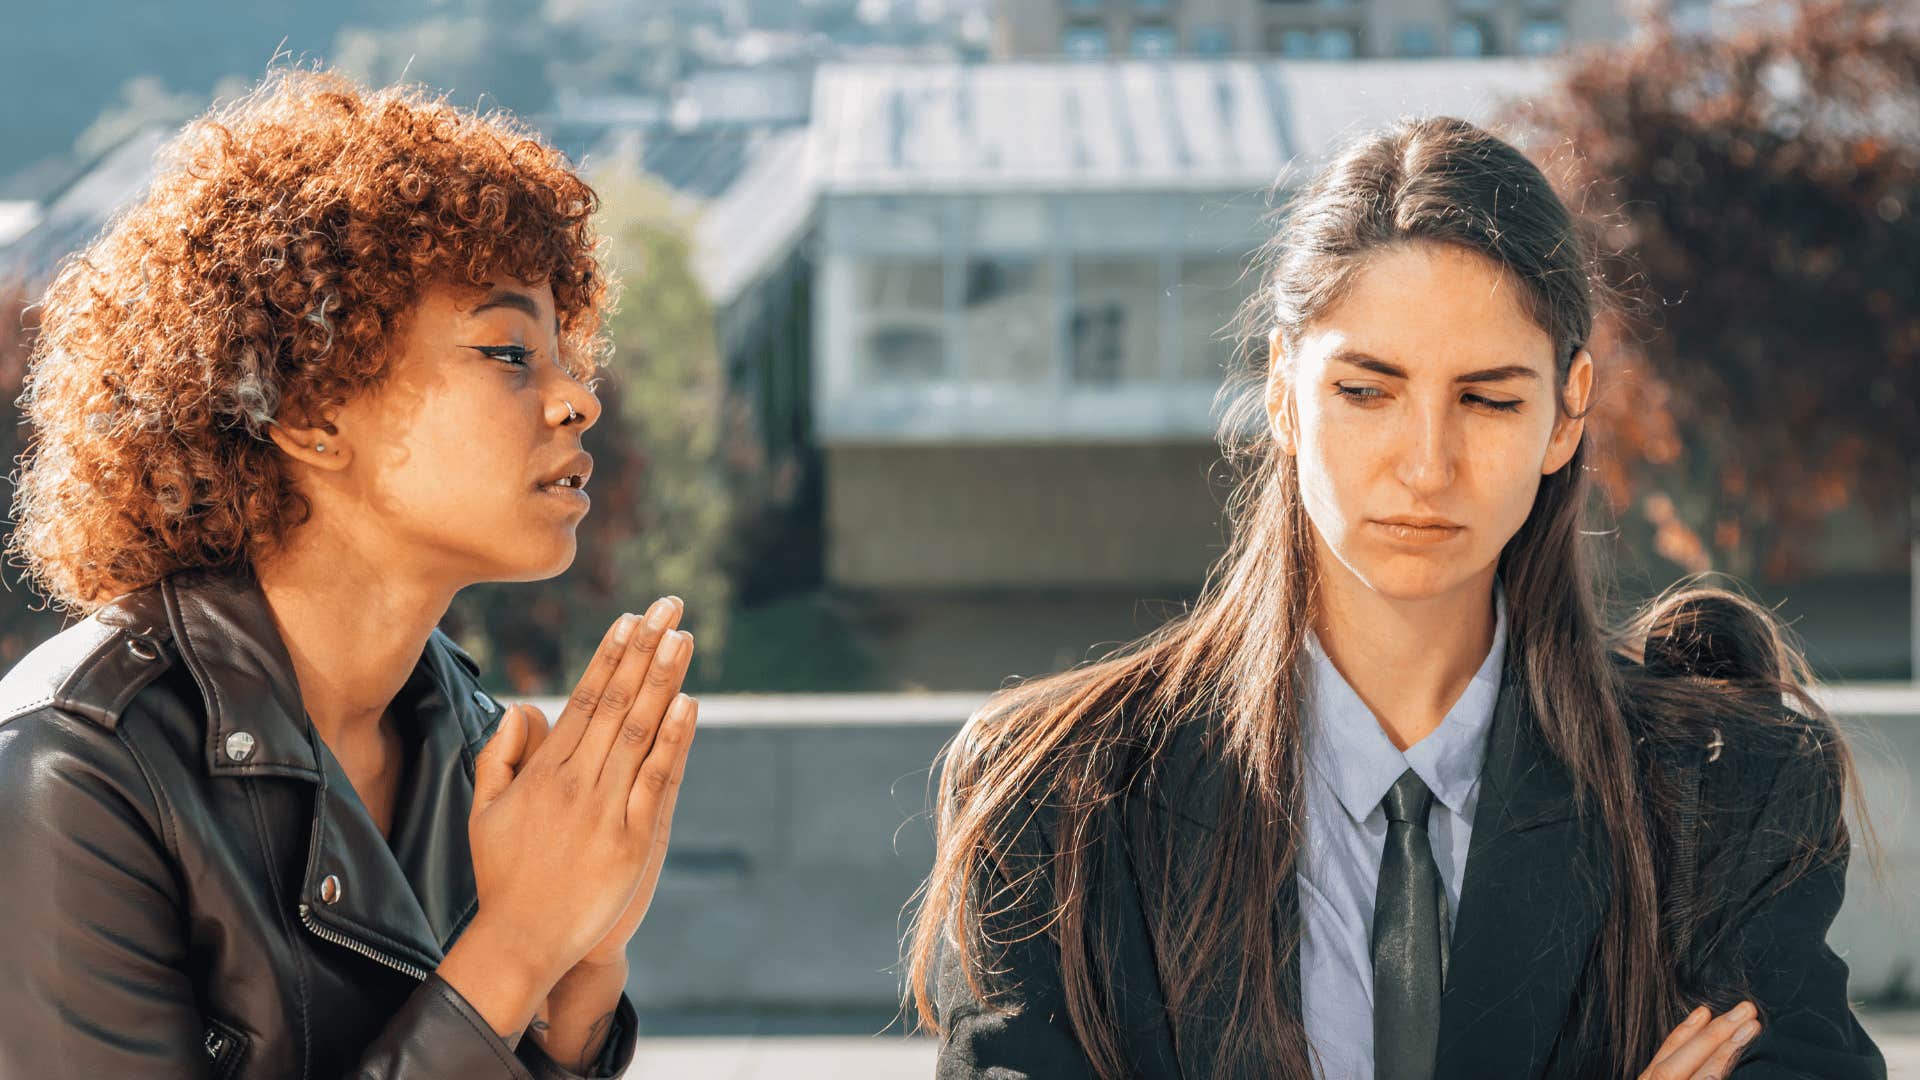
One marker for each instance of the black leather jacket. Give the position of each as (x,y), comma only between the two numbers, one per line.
(191,887)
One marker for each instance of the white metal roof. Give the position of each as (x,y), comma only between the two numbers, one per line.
(1125,124)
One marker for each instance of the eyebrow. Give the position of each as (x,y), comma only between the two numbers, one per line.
(518,301)
(1492,374)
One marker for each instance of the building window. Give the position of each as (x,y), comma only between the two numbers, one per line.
(1008,308)
(902,313)
(1416,39)
(1336,44)
(1085,7)
(1214,39)
(1153,7)
(1154,41)
(1291,42)
(1115,323)
(1210,292)
(1542,37)
(1084,42)
(1472,37)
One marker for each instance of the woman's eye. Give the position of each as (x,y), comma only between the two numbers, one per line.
(512,354)
(1360,394)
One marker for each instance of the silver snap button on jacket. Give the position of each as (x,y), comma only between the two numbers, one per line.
(481,699)
(239,746)
(142,649)
(330,889)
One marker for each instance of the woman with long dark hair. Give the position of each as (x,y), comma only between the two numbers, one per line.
(1393,799)
(258,818)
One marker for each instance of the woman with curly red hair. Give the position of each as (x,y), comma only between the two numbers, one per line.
(260,817)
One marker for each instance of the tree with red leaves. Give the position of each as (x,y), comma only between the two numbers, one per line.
(1763,182)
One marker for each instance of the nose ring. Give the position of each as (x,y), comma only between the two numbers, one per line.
(571,414)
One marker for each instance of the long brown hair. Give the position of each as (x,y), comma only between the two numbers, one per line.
(1695,660)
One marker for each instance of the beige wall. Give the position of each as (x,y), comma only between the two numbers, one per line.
(972,516)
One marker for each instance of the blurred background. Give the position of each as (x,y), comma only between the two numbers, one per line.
(919,365)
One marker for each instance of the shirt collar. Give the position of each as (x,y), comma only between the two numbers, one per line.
(1348,748)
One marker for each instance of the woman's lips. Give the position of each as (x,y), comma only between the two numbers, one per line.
(1419,534)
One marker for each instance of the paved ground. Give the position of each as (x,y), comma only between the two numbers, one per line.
(888,1057)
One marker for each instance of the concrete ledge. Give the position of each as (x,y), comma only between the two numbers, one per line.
(802,834)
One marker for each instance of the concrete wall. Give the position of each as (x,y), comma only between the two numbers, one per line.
(800,836)
(990,515)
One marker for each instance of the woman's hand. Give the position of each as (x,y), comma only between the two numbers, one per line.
(611,950)
(564,824)
(1699,1050)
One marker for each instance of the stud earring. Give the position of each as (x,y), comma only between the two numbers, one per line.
(320,447)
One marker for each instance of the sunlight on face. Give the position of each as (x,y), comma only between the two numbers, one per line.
(454,451)
(1424,397)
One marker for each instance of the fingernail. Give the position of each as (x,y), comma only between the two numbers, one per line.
(1747,1010)
(670,646)
(1698,1014)
(657,614)
(677,601)
(623,629)
(1747,1031)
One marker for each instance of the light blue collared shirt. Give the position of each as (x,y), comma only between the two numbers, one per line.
(1351,764)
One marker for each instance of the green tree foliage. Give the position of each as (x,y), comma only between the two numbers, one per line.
(1765,184)
(661,518)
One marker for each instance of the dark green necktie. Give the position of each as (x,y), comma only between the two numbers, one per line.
(1409,939)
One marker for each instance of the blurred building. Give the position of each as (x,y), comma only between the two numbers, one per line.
(1023,279)
(1323,29)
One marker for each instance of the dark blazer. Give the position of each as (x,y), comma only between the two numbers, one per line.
(1531,905)
(192,888)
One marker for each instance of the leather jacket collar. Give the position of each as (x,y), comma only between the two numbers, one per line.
(391,899)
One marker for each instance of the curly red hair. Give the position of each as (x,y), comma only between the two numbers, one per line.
(283,240)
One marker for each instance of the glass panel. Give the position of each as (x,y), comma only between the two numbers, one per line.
(1007,223)
(1154,41)
(894,284)
(901,307)
(1085,6)
(1469,38)
(886,221)
(1336,45)
(1416,39)
(1296,43)
(1216,224)
(1542,37)
(1115,323)
(904,353)
(1214,39)
(1211,291)
(1084,42)
(1009,308)
(1096,222)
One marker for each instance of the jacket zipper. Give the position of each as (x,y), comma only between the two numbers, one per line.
(367,951)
